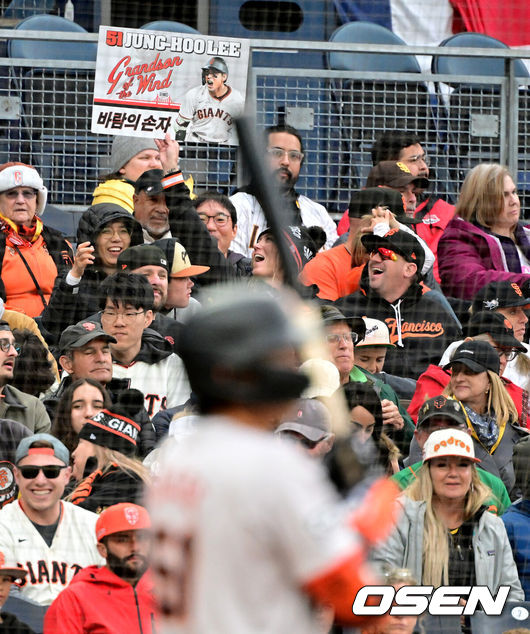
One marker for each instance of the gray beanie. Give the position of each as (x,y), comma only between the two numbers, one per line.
(125,147)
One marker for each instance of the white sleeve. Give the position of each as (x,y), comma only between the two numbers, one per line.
(187,107)
(178,387)
(243,207)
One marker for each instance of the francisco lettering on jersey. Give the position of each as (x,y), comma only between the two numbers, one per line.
(414,329)
(39,573)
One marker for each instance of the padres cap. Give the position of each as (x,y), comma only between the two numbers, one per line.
(142,255)
(496,326)
(122,517)
(394,174)
(310,418)
(478,356)
(402,242)
(57,448)
(499,295)
(442,406)
(80,334)
(181,266)
(150,182)
(377,334)
(449,442)
(11,569)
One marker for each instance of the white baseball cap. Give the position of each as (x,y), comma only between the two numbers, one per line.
(324,378)
(21,175)
(377,334)
(449,442)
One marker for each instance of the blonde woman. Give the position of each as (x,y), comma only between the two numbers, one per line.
(485,237)
(491,414)
(104,464)
(445,535)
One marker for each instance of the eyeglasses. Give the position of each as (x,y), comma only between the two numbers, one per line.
(51,471)
(13,194)
(347,337)
(416,158)
(219,219)
(293,155)
(508,353)
(113,314)
(386,254)
(5,345)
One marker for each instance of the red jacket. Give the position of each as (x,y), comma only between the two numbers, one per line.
(100,602)
(434,380)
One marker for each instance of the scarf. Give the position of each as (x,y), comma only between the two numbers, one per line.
(485,426)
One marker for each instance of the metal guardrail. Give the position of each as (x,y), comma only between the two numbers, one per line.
(46,107)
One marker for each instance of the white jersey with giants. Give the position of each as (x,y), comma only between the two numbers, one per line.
(212,118)
(50,568)
(244,521)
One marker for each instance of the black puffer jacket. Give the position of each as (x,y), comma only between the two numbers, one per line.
(69,304)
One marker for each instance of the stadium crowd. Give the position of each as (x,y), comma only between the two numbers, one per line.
(173,415)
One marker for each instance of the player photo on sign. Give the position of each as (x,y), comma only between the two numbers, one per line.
(207,112)
(147,84)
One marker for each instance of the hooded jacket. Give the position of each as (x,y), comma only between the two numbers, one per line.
(70,304)
(517,522)
(480,258)
(100,602)
(419,325)
(494,564)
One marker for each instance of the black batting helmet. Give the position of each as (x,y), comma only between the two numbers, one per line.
(216,63)
(228,348)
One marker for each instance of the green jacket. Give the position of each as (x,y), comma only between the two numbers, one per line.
(497,504)
(402,437)
(25,409)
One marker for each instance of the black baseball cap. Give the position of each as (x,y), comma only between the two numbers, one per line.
(80,334)
(499,295)
(150,182)
(496,326)
(478,356)
(363,201)
(402,242)
(142,255)
(394,174)
(441,406)
(331,314)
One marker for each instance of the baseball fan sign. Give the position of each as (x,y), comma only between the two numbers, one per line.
(152,82)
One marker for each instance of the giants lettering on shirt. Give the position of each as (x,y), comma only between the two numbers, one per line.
(208,113)
(41,574)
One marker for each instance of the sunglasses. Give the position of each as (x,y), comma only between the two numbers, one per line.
(51,471)
(386,254)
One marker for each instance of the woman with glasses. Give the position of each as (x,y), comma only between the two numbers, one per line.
(31,255)
(490,412)
(104,231)
(486,236)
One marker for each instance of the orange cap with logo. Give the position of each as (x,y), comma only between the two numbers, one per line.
(122,517)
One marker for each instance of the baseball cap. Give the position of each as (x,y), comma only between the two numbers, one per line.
(181,265)
(478,356)
(402,242)
(499,295)
(150,182)
(57,448)
(310,418)
(363,201)
(449,442)
(331,314)
(142,255)
(82,333)
(441,406)
(324,378)
(10,568)
(377,334)
(124,516)
(495,325)
(394,174)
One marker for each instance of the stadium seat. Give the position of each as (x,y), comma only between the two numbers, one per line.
(168,25)
(56,108)
(20,9)
(367,107)
(471,111)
